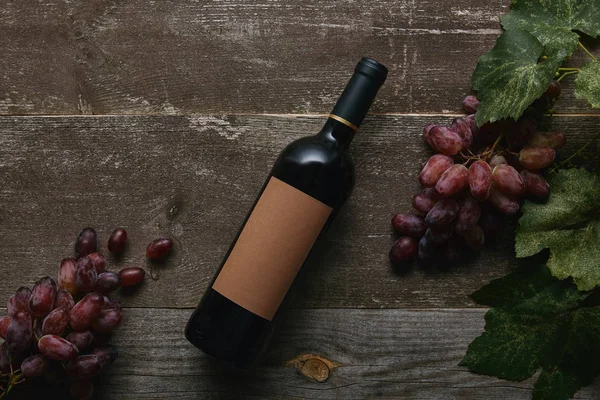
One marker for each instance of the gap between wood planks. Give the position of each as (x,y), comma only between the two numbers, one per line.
(445,115)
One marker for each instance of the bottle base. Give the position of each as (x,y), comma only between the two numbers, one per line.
(227,332)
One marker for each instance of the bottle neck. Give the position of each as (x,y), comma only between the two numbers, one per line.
(358,95)
(337,131)
(354,103)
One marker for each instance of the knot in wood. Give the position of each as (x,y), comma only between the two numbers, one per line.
(313,366)
(316,369)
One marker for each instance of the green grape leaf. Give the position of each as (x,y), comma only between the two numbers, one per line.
(513,288)
(546,325)
(512,75)
(587,84)
(569,225)
(552,22)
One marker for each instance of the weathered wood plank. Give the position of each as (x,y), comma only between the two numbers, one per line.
(381,354)
(180,57)
(60,174)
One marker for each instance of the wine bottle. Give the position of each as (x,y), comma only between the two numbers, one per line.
(308,184)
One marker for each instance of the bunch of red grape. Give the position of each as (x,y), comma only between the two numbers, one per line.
(61,328)
(478,175)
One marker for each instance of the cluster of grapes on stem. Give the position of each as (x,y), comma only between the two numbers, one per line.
(60,329)
(478,176)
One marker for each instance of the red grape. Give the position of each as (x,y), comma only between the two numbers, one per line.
(99,261)
(82,389)
(56,348)
(444,140)
(513,161)
(537,157)
(470,119)
(430,193)
(521,133)
(10,306)
(468,214)
(535,185)
(553,90)
(87,242)
(474,237)
(117,241)
(455,179)
(471,104)
(114,304)
(434,168)
(84,367)
(22,297)
(405,249)
(64,300)
(462,127)
(442,213)
(131,276)
(42,297)
(86,311)
(19,332)
(409,225)
(66,275)
(33,366)
(106,353)
(4,323)
(107,282)
(556,140)
(497,160)
(502,202)
(427,133)
(508,180)
(4,359)
(56,322)
(108,320)
(159,248)
(494,129)
(85,275)
(450,250)
(480,179)
(439,235)
(81,340)
(426,250)
(423,203)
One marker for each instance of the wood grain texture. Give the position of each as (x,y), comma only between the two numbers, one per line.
(379,354)
(194,178)
(209,56)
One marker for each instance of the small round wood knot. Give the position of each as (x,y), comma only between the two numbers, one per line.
(316,369)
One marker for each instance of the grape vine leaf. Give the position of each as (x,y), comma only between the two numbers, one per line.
(568,224)
(587,84)
(512,75)
(537,322)
(553,22)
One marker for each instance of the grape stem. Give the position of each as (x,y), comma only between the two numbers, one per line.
(568,69)
(15,379)
(587,51)
(578,152)
(566,74)
(498,139)
(35,321)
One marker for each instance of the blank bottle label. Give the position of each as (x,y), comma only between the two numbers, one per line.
(271,248)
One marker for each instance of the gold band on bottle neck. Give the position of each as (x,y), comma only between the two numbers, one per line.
(345,122)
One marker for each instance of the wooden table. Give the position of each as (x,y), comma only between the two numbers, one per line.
(164,117)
